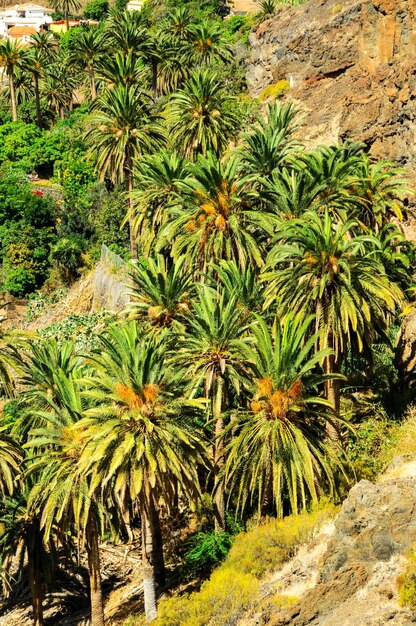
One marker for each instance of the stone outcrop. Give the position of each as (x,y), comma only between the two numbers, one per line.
(357,581)
(352,68)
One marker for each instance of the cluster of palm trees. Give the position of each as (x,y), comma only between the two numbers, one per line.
(257,265)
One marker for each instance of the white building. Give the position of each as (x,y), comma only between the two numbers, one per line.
(135,5)
(25,16)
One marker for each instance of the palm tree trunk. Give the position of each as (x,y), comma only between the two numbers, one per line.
(158,558)
(332,389)
(35,583)
(149,578)
(13,96)
(93,553)
(92,82)
(66,21)
(218,455)
(37,100)
(129,187)
(154,75)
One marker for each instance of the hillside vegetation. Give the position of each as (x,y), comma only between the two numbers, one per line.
(252,375)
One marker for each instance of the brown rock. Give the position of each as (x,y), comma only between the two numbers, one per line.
(353,69)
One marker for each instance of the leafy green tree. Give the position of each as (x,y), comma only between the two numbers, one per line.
(207,44)
(318,265)
(122,69)
(201,115)
(269,143)
(123,126)
(139,438)
(96,9)
(279,458)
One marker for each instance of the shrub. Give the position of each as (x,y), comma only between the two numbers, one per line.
(19,282)
(67,254)
(205,550)
(407,584)
(267,546)
(234,587)
(276,90)
(221,601)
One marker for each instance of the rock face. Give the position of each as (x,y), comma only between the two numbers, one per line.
(352,67)
(366,553)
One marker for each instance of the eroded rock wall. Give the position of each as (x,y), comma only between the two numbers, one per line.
(352,67)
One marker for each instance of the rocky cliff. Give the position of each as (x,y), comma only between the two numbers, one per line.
(351,65)
(348,575)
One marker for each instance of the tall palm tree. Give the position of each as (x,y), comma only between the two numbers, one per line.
(279,454)
(139,438)
(23,541)
(51,406)
(86,50)
(61,493)
(58,87)
(201,115)
(66,7)
(212,355)
(122,126)
(39,56)
(216,221)
(318,265)
(157,188)
(10,460)
(12,57)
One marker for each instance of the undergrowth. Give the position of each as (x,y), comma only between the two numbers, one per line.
(235,586)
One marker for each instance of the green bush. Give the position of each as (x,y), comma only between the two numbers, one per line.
(67,255)
(19,282)
(205,550)
(407,584)
(277,90)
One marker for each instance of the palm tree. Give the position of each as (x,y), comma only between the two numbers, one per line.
(201,115)
(157,180)
(318,265)
(39,56)
(269,144)
(58,87)
(212,355)
(122,69)
(123,126)
(66,7)
(23,540)
(161,294)
(279,455)
(12,57)
(87,49)
(208,45)
(51,406)
(61,493)
(178,23)
(382,187)
(139,438)
(10,460)
(216,221)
